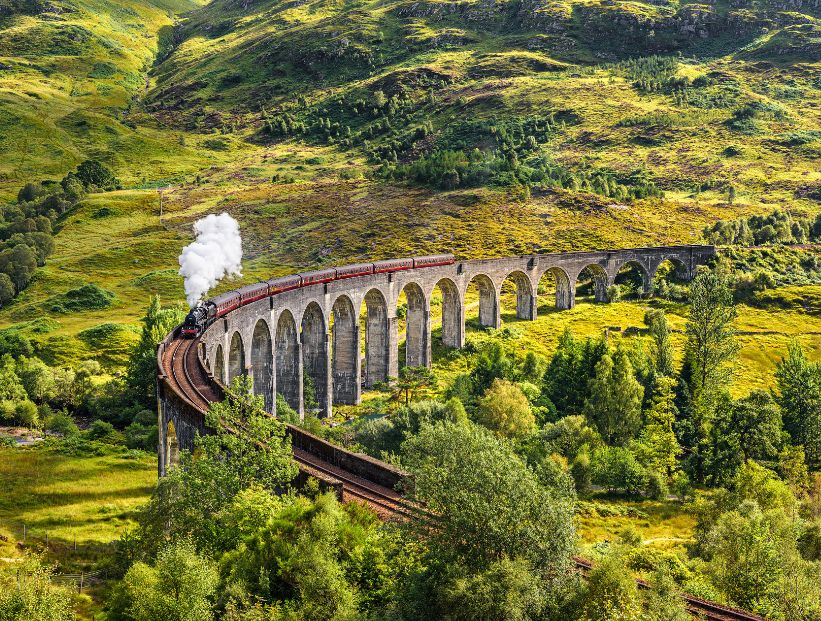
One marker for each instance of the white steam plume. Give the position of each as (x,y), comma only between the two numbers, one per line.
(216,253)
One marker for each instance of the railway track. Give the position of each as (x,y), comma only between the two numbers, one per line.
(181,365)
(699,608)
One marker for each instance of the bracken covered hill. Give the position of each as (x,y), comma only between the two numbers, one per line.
(337,131)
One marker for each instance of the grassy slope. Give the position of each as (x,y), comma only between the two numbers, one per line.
(61,101)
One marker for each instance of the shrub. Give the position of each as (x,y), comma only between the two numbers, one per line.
(616,468)
(25,412)
(62,423)
(656,486)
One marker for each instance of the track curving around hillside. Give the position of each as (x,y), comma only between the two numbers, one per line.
(183,372)
(699,608)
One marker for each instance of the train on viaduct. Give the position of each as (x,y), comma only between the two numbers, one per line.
(314,330)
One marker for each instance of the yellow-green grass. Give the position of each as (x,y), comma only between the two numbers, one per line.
(667,525)
(764,334)
(90,500)
(63,102)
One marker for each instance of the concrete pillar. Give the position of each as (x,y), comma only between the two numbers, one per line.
(427,353)
(525,303)
(571,296)
(392,343)
(299,388)
(327,392)
(161,469)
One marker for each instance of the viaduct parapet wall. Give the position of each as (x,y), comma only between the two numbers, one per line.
(315,331)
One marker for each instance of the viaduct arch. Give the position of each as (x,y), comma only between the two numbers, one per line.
(313,336)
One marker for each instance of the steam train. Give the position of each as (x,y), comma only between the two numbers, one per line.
(204,314)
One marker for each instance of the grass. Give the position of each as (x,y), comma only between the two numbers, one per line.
(90,500)
(662,524)
(764,335)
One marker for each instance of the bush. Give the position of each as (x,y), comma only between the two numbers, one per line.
(681,486)
(25,412)
(614,293)
(616,468)
(102,431)
(656,486)
(62,423)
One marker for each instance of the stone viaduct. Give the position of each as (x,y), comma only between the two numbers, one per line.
(314,331)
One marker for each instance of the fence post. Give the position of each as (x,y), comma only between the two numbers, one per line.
(81,582)
(24,533)
(46,540)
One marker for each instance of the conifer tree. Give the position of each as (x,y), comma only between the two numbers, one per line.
(614,402)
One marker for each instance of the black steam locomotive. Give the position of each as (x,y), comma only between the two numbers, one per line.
(204,314)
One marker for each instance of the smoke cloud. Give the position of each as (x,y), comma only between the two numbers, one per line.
(216,253)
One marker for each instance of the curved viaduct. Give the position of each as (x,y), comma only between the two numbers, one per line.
(264,340)
(315,331)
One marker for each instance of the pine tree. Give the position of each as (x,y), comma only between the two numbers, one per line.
(662,348)
(658,447)
(614,402)
(799,395)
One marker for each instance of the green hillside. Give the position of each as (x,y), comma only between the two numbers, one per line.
(332,130)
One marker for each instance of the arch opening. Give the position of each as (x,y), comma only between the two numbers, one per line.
(633,280)
(262,364)
(377,341)
(518,284)
(219,364)
(592,281)
(345,360)
(172,445)
(288,361)
(447,310)
(236,358)
(417,325)
(669,280)
(315,359)
(481,287)
(555,285)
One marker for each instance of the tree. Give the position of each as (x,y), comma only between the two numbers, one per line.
(36,377)
(11,389)
(659,328)
(711,343)
(247,447)
(614,402)
(493,363)
(664,601)
(611,593)
(799,396)
(508,590)
(505,410)
(711,348)
(180,587)
(27,594)
(141,374)
(26,413)
(412,382)
(745,563)
(657,447)
(569,371)
(95,174)
(488,503)
(617,469)
(19,264)
(7,289)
